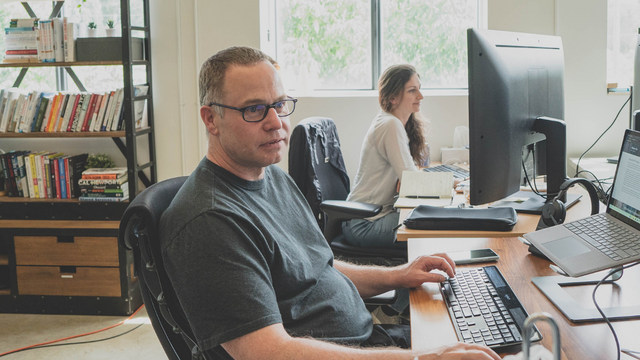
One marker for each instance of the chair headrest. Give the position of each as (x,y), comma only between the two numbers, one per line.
(149,205)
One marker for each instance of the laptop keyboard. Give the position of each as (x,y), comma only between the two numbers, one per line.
(484,309)
(613,240)
(458,173)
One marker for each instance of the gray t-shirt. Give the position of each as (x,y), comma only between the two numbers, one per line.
(243,255)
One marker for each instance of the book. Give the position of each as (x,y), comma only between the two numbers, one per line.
(70,41)
(5,172)
(62,180)
(54,111)
(119,115)
(104,188)
(47,114)
(8,99)
(30,22)
(36,112)
(73,121)
(420,187)
(89,112)
(42,186)
(60,115)
(109,112)
(17,113)
(104,173)
(47,159)
(140,105)
(58,39)
(28,172)
(103,108)
(71,105)
(106,195)
(77,126)
(103,182)
(23,173)
(34,176)
(76,167)
(65,160)
(15,167)
(46,37)
(56,171)
(10,184)
(105,199)
(94,112)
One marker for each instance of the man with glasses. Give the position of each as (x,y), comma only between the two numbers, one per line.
(253,273)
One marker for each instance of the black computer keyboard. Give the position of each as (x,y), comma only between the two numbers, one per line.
(458,172)
(484,309)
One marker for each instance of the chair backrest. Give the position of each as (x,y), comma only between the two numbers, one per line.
(316,164)
(139,232)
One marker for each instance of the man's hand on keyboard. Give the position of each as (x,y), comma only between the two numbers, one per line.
(420,270)
(460,351)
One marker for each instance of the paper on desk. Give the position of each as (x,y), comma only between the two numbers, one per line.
(423,183)
(411,203)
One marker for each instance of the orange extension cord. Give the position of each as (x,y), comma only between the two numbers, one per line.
(74,336)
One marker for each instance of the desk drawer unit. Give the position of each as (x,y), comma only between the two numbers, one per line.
(66,250)
(68,281)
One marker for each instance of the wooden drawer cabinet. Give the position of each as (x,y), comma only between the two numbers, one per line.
(66,250)
(68,281)
(66,267)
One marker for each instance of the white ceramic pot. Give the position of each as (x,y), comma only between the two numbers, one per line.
(111,32)
(92,32)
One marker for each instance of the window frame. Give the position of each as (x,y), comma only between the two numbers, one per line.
(268,35)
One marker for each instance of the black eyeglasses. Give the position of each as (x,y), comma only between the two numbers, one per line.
(255,113)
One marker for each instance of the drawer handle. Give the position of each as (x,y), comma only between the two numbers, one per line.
(66,276)
(68,269)
(65,239)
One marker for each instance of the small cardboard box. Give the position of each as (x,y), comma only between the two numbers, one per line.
(106,49)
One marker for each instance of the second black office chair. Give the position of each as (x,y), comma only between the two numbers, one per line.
(317,167)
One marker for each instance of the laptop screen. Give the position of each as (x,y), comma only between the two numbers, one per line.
(624,204)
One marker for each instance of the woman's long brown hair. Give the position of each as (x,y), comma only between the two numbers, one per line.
(391,85)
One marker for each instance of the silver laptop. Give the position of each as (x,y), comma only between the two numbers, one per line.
(605,240)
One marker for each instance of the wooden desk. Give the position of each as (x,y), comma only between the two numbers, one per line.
(431,326)
(526,222)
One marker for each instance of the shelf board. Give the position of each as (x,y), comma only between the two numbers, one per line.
(16,199)
(5,292)
(79,134)
(59,64)
(4,259)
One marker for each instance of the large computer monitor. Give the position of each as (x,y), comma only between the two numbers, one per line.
(516,103)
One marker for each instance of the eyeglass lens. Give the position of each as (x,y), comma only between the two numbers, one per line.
(258,112)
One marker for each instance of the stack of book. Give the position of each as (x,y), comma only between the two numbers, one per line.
(42,174)
(25,111)
(34,40)
(108,184)
(21,41)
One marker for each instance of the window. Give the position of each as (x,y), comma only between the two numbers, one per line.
(346,44)
(623,20)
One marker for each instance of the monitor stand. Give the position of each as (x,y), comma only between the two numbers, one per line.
(551,286)
(533,203)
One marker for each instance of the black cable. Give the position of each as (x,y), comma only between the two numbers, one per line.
(76,343)
(533,186)
(602,193)
(606,319)
(601,135)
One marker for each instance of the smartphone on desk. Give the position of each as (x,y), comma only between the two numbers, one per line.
(473,256)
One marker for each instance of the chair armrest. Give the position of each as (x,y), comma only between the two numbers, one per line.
(344,210)
(387,298)
(339,210)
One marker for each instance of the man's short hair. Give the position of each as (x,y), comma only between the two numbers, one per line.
(211,83)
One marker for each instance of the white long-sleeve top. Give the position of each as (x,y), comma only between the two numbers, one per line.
(384,156)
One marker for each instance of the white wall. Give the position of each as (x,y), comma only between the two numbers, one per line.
(186,32)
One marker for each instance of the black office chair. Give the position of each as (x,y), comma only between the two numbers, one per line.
(317,167)
(139,232)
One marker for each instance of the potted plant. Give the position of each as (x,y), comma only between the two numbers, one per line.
(92,29)
(99,161)
(111,31)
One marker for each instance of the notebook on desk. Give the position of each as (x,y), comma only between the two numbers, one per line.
(604,240)
(419,188)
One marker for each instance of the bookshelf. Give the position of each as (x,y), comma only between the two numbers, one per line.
(52,250)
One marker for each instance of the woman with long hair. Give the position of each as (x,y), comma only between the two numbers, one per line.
(395,142)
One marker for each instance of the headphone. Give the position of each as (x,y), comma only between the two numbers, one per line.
(555,212)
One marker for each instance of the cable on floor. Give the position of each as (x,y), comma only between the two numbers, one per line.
(46,344)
